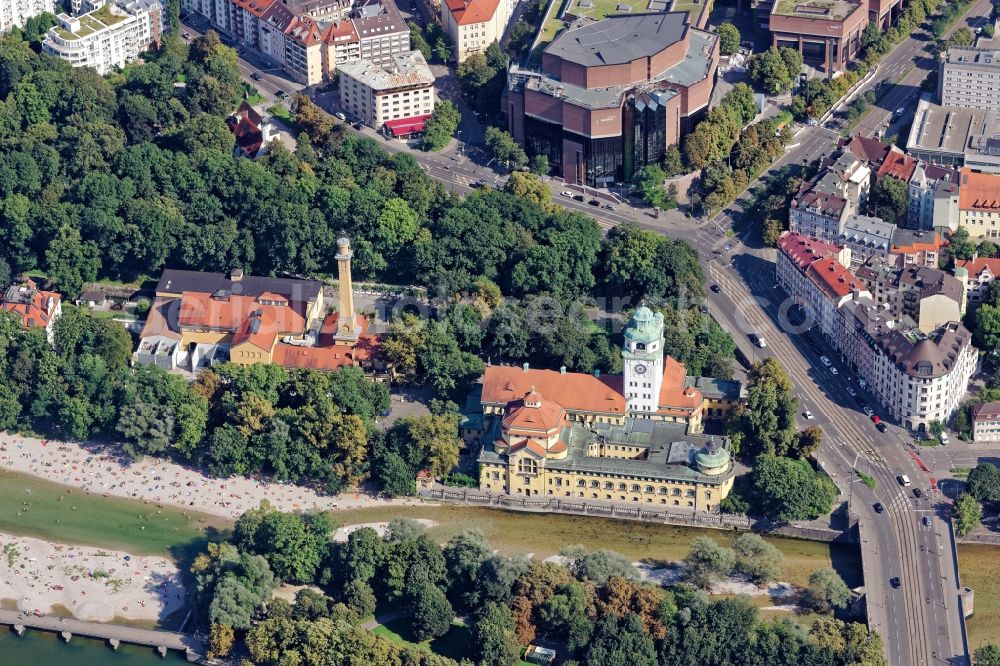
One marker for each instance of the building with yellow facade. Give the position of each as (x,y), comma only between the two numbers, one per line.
(635,437)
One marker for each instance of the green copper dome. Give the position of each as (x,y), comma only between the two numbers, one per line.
(712,458)
(644,325)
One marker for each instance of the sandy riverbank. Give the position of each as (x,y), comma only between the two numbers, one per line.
(157,480)
(93,583)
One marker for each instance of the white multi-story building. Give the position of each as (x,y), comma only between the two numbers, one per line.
(970,78)
(379,95)
(474,24)
(15,13)
(979,203)
(932,189)
(986,422)
(976,276)
(918,376)
(108,36)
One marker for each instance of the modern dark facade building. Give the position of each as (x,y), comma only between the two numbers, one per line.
(612,95)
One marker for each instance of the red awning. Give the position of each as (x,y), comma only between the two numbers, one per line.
(406,126)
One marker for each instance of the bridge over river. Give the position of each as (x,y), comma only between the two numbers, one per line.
(190,645)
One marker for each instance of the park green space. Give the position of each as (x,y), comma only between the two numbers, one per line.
(979,566)
(546,534)
(456,644)
(107,522)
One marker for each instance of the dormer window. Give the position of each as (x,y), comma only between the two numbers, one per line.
(640,346)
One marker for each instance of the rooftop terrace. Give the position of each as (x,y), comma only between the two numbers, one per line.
(824,10)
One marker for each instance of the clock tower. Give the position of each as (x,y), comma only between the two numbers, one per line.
(642,358)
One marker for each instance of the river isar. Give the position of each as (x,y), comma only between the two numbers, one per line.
(43,648)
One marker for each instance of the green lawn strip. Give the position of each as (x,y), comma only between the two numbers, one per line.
(979,567)
(105,522)
(513,532)
(929,442)
(960,472)
(868,481)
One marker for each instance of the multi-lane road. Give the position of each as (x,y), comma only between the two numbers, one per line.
(920,620)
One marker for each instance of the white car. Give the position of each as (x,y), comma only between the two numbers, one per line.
(825,361)
(809,415)
(851,392)
(868,411)
(340,115)
(566,193)
(834,370)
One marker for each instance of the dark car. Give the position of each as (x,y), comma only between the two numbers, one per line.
(918,493)
(895,582)
(715,288)
(579,197)
(255,76)
(878,507)
(881,427)
(280,94)
(594,202)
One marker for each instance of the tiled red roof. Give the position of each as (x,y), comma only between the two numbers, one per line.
(467,12)
(304,30)
(871,151)
(255,7)
(834,278)
(977,266)
(201,310)
(898,165)
(804,250)
(978,191)
(31,304)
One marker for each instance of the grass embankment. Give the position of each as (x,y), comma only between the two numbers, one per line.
(979,566)
(545,534)
(960,472)
(106,522)
(868,480)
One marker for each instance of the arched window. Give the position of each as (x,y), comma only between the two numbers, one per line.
(635,487)
(663,490)
(621,486)
(676,492)
(595,484)
(648,489)
(608,485)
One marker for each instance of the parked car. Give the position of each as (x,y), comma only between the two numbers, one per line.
(608,206)
(878,507)
(809,415)
(851,392)
(579,197)
(834,370)
(944,438)
(340,115)
(255,76)
(594,202)
(186,35)
(881,427)
(566,193)
(868,411)
(875,419)
(825,361)
(280,94)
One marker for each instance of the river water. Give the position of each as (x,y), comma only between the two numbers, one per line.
(41,648)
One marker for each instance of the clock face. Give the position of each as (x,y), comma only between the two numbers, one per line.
(640,369)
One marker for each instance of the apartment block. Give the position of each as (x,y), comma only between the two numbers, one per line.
(986,422)
(916,248)
(310,39)
(380,95)
(970,78)
(865,237)
(931,189)
(976,275)
(15,13)
(979,203)
(474,24)
(108,35)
